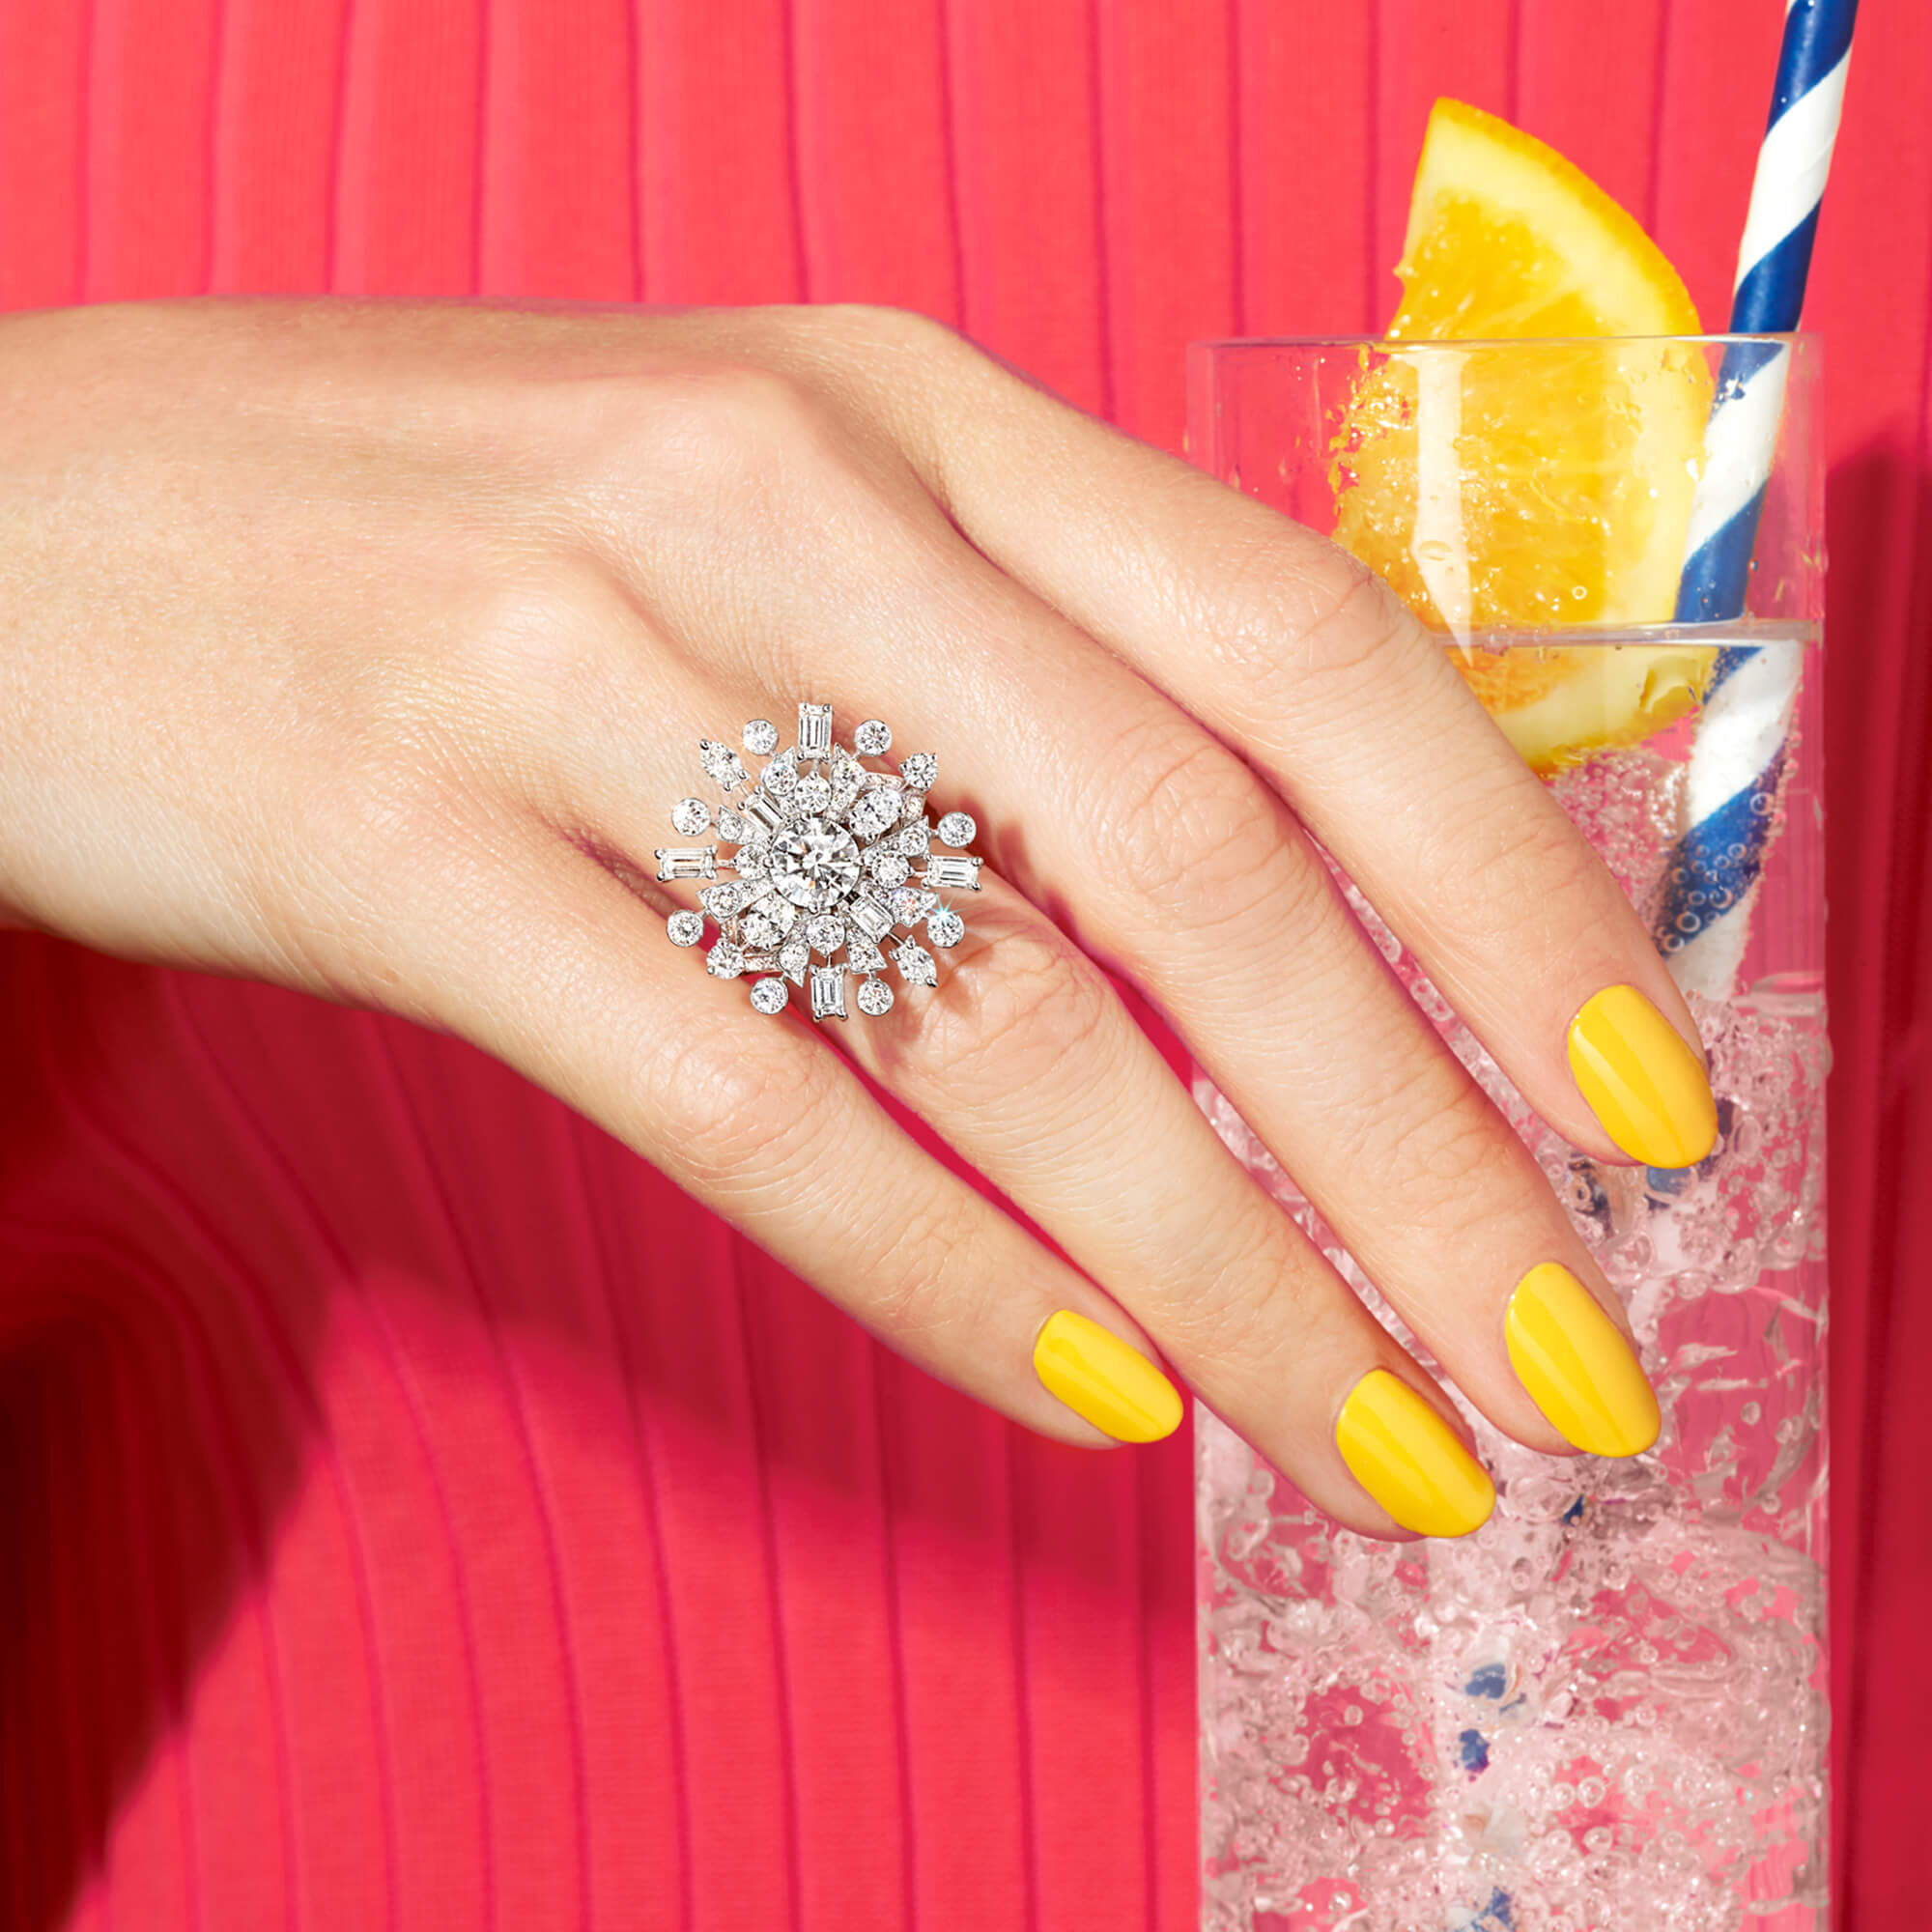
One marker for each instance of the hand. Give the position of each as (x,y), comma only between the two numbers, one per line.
(365,648)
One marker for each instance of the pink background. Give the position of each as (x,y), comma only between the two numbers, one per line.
(411,1511)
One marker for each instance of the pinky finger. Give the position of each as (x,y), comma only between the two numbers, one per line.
(565,976)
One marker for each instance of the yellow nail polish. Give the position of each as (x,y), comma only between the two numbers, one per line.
(1577,1366)
(1410,1461)
(1099,1377)
(1642,1080)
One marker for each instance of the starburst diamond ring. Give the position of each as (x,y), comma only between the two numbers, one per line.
(835,857)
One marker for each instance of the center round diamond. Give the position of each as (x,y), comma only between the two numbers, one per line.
(814,865)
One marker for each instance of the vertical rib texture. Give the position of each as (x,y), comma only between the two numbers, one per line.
(413,1513)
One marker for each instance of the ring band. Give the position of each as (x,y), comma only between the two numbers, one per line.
(834,858)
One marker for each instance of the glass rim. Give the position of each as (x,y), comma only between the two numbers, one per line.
(1219,344)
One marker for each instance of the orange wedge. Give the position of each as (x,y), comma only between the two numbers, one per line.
(1571,471)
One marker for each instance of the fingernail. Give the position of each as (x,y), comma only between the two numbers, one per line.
(1099,1377)
(1577,1366)
(1642,1080)
(1410,1461)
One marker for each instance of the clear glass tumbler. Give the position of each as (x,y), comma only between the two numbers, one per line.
(1605,1711)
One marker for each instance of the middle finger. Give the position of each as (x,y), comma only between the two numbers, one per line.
(1167,857)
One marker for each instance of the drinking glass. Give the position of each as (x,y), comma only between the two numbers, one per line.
(1605,1710)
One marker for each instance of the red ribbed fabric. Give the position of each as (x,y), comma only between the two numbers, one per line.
(412,1512)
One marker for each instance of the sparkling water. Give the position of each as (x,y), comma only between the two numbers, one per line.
(1605,1711)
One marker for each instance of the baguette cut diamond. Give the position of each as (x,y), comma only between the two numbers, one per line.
(834,860)
(828,993)
(870,917)
(765,812)
(950,873)
(686,861)
(814,732)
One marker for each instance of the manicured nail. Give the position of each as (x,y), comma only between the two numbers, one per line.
(1642,1080)
(1410,1461)
(1577,1366)
(1098,1375)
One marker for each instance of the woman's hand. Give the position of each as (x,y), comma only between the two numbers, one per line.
(365,647)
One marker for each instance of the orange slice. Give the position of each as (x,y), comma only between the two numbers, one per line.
(1510,493)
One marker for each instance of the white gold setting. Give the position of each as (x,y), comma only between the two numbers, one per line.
(835,858)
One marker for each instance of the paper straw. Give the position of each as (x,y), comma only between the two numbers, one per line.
(1738,756)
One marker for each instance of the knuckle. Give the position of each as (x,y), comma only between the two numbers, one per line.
(1189,834)
(405,739)
(1437,1143)
(923,1290)
(1353,624)
(878,325)
(730,1117)
(1521,854)
(539,633)
(1256,1308)
(1019,996)
(1311,625)
(735,416)
(715,428)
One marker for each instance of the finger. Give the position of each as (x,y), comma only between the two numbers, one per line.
(1292,652)
(539,956)
(1025,1060)
(1176,861)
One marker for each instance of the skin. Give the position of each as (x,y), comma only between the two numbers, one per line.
(363,648)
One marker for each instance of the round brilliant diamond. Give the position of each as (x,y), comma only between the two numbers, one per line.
(814,865)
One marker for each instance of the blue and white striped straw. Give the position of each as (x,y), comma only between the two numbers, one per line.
(1738,756)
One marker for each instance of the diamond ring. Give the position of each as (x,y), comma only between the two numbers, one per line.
(835,857)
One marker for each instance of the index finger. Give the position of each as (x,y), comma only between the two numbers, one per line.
(1296,654)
